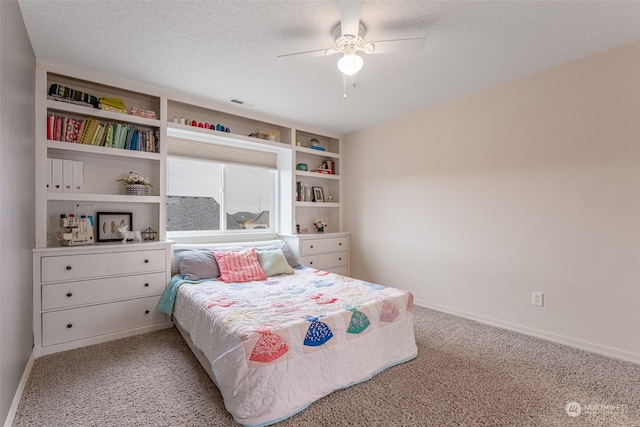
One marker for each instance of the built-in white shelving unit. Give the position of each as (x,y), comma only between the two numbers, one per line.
(79,301)
(306,209)
(87,294)
(102,166)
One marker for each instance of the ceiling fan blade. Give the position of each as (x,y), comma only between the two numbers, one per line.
(350,17)
(308,54)
(396,46)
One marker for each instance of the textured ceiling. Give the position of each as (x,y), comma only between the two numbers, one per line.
(224,49)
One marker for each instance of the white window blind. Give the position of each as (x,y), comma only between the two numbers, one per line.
(185,147)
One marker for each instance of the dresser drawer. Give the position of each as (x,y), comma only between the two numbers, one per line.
(78,323)
(324,261)
(74,267)
(68,294)
(320,245)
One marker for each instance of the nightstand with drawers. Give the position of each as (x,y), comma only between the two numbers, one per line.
(93,294)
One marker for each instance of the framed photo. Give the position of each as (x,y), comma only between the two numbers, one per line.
(109,222)
(318,194)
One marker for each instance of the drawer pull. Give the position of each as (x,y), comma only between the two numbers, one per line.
(146,261)
(69,294)
(311,246)
(69,325)
(146,285)
(340,244)
(146,312)
(68,267)
(310,262)
(340,259)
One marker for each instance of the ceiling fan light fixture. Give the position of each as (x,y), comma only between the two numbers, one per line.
(350,63)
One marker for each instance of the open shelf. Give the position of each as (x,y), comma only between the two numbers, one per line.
(113,198)
(59,146)
(80,110)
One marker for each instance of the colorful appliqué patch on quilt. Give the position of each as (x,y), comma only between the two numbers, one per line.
(320,299)
(318,332)
(358,323)
(286,307)
(322,284)
(220,302)
(389,312)
(374,286)
(320,272)
(268,348)
(410,303)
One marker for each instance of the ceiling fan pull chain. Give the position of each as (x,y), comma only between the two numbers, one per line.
(344,87)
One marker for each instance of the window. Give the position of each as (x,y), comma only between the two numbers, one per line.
(219,185)
(207,196)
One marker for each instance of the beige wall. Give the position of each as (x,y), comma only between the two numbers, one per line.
(17,184)
(529,186)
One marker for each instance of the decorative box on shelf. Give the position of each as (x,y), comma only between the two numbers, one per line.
(325,171)
(317,147)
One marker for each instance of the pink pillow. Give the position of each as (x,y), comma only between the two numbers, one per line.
(239,266)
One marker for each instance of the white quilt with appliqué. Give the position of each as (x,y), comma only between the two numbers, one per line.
(275,346)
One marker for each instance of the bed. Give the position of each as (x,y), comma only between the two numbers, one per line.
(275,345)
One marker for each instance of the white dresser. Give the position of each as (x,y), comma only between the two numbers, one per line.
(86,295)
(329,252)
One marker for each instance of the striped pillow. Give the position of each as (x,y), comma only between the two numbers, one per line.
(239,266)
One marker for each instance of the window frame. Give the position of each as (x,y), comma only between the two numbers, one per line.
(276,208)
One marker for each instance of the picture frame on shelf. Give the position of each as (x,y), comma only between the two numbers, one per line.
(318,194)
(108,223)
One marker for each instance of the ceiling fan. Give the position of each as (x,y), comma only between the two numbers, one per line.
(349,40)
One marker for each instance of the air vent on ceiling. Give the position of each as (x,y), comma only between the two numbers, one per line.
(240,102)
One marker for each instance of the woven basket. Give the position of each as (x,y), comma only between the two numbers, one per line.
(136,190)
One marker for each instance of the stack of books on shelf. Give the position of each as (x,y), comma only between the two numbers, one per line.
(91,131)
(328,167)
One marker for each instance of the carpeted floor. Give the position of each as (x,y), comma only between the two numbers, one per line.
(466,374)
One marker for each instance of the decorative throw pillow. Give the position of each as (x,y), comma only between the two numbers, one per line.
(239,266)
(197,264)
(286,250)
(273,262)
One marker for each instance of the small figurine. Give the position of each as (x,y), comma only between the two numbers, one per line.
(129,235)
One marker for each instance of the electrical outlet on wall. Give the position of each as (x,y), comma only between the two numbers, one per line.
(537,298)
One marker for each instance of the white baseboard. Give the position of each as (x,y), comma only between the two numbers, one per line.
(16,398)
(571,342)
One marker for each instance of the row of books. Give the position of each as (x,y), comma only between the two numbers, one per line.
(303,193)
(91,131)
